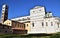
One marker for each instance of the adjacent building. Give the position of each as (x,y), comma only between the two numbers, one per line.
(4,13)
(27,26)
(25,20)
(17,27)
(5,29)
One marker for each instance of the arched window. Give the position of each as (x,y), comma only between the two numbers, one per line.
(58,25)
(51,23)
(42,24)
(33,24)
(46,24)
(27,25)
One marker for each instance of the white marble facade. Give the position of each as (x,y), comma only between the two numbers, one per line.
(41,21)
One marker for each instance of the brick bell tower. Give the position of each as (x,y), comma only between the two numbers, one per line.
(4,13)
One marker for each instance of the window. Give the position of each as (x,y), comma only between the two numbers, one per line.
(2,13)
(20,26)
(27,25)
(33,24)
(23,19)
(28,18)
(3,8)
(9,23)
(42,24)
(58,25)
(51,23)
(24,25)
(2,16)
(46,24)
(14,25)
(39,10)
(33,11)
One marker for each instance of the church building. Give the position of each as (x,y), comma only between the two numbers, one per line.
(40,21)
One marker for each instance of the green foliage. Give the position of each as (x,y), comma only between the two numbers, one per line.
(55,36)
(30,36)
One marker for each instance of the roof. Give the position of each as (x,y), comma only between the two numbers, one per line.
(4,25)
(37,7)
(20,18)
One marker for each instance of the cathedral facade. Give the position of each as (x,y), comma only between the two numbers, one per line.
(39,21)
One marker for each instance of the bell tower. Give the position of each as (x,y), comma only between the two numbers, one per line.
(4,13)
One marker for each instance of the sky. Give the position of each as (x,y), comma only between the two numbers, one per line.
(18,8)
